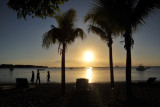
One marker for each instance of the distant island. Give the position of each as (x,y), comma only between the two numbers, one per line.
(21,66)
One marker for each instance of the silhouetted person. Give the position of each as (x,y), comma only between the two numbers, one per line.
(38,77)
(48,77)
(32,78)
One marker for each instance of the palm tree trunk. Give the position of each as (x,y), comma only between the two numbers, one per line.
(128,74)
(63,70)
(128,43)
(111,66)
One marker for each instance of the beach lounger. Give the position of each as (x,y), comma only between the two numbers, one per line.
(150,82)
(82,85)
(22,83)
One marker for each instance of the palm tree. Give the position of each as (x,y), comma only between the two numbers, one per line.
(63,35)
(105,33)
(127,16)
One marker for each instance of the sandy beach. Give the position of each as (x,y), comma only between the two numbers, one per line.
(99,95)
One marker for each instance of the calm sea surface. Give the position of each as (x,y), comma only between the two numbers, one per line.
(94,75)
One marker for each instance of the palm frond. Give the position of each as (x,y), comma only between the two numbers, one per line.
(109,11)
(51,37)
(52,26)
(158,4)
(142,10)
(66,20)
(70,15)
(99,32)
(59,48)
(59,18)
(76,33)
(65,33)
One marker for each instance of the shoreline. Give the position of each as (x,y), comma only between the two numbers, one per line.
(134,81)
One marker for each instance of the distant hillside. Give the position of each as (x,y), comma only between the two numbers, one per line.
(21,66)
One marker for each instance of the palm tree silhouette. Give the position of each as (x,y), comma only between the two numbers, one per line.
(105,33)
(127,16)
(63,35)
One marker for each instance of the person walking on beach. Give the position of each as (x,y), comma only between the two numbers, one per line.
(32,78)
(38,77)
(48,77)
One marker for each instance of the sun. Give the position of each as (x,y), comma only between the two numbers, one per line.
(88,56)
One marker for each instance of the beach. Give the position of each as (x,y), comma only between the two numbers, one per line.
(98,95)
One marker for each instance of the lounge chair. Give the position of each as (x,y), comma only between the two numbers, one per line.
(82,84)
(149,82)
(22,83)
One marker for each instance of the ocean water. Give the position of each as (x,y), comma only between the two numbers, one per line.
(95,75)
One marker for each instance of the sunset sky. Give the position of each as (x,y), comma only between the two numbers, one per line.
(21,41)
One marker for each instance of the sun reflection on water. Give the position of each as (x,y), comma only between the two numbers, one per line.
(89,74)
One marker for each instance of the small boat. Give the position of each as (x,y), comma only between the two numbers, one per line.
(141,68)
(147,67)
(70,68)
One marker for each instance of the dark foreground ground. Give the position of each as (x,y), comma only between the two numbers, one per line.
(99,95)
